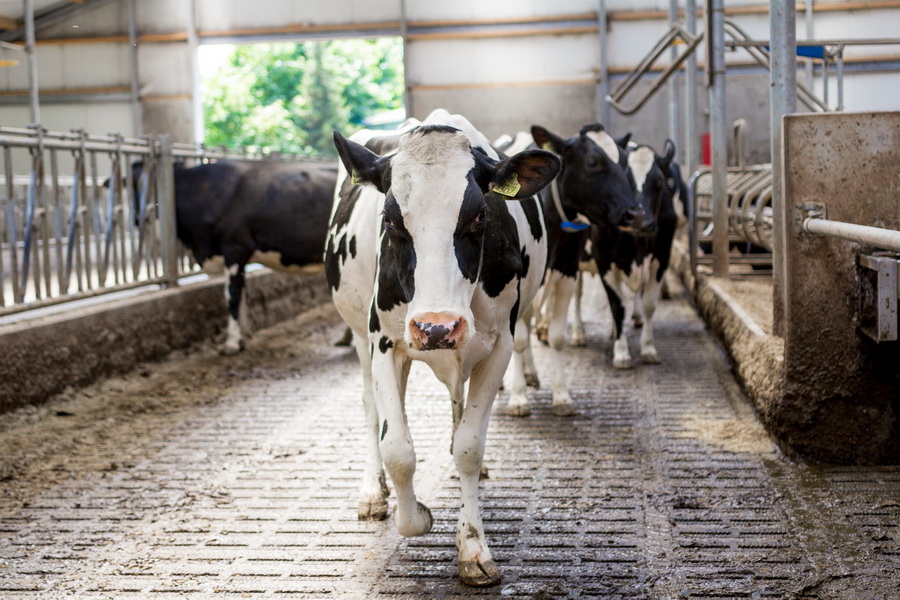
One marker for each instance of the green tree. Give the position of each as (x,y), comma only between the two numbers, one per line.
(288,97)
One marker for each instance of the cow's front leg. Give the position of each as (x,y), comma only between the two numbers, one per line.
(373,492)
(476,564)
(650,299)
(621,353)
(397,453)
(234,291)
(559,309)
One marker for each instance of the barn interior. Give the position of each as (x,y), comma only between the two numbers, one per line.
(787,128)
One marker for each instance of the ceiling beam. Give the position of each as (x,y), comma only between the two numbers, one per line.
(50,16)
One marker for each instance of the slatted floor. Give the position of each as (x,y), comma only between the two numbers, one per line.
(236,478)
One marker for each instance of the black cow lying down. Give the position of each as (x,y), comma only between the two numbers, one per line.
(231,213)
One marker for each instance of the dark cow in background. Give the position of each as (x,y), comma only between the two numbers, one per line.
(592,189)
(435,251)
(639,258)
(232,213)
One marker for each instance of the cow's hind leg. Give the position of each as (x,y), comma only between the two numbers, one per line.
(651,296)
(577,337)
(373,492)
(559,308)
(476,564)
(234,293)
(517,406)
(621,353)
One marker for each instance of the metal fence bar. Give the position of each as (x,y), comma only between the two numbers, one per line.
(887,239)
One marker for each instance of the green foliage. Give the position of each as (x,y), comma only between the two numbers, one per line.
(289,97)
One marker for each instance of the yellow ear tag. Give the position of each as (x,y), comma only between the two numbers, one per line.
(547,146)
(356,179)
(510,187)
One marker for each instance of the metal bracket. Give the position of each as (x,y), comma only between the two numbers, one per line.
(882,321)
(807,210)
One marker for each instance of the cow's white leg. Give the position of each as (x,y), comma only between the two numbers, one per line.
(476,565)
(542,308)
(621,353)
(234,291)
(651,297)
(637,314)
(577,337)
(556,336)
(517,406)
(397,453)
(373,492)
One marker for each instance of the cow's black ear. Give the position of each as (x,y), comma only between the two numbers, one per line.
(668,155)
(546,140)
(623,140)
(363,165)
(525,174)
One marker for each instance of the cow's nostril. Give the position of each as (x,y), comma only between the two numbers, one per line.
(435,331)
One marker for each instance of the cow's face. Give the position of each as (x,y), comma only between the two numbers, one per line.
(593,180)
(434,222)
(650,174)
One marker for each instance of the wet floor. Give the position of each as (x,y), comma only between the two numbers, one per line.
(205,476)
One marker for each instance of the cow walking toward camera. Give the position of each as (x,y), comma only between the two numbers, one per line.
(435,250)
(639,258)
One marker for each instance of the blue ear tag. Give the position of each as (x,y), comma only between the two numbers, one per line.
(571,227)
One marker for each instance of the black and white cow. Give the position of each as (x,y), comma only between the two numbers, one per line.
(592,189)
(639,259)
(435,250)
(231,213)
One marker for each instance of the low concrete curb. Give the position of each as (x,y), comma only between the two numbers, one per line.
(43,356)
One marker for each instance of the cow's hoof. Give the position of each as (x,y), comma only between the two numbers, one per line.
(346,338)
(425,521)
(373,511)
(623,363)
(650,358)
(483,474)
(231,350)
(563,409)
(518,410)
(638,322)
(476,574)
(532,381)
(578,341)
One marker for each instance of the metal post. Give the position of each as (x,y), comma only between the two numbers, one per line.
(840,79)
(193,50)
(691,140)
(783,81)
(603,112)
(32,61)
(404,34)
(137,117)
(715,24)
(673,83)
(165,174)
(810,35)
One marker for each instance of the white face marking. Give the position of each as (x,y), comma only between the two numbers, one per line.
(606,143)
(429,177)
(640,162)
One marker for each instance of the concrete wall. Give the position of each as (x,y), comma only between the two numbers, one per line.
(841,398)
(41,357)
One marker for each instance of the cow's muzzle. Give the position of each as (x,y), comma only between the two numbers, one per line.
(636,222)
(437,331)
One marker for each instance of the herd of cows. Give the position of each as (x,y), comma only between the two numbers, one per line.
(441,247)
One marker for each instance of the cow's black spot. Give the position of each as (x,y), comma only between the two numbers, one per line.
(383,429)
(332,266)
(501,261)
(374,321)
(468,238)
(426,129)
(384,344)
(352,246)
(533,214)
(397,262)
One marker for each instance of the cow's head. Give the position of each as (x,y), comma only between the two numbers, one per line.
(435,218)
(593,179)
(651,176)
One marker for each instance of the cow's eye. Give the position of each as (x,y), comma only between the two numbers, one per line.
(388,222)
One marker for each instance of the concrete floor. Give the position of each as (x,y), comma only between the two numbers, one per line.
(204,476)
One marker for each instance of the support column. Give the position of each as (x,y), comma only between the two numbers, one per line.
(603,113)
(783,81)
(715,30)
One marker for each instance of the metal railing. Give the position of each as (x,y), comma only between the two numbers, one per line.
(75,224)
